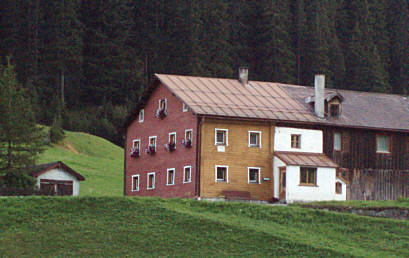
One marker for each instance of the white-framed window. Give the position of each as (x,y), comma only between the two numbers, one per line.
(170,176)
(255,139)
(136,145)
(337,141)
(187,174)
(151,181)
(185,108)
(163,104)
(383,143)
(221,173)
(189,135)
(152,141)
(221,136)
(172,138)
(135,183)
(141,115)
(253,175)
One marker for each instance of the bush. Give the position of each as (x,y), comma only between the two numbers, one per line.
(15,191)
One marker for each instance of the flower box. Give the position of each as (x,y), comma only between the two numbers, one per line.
(187,143)
(134,153)
(161,113)
(150,149)
(170,146)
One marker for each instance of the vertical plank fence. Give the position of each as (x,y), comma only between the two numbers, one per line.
(378,184)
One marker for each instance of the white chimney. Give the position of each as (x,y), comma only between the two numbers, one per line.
(244,75)
(319,85)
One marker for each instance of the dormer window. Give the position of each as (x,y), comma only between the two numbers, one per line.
(334,110)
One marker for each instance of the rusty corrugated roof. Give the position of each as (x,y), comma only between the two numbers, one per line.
(305,159)
(228,97)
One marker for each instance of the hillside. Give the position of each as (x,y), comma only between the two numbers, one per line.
(124,226)
(98,160)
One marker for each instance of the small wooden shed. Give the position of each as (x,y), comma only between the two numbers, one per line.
(57,178)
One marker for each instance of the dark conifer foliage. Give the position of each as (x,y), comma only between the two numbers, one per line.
(93,53)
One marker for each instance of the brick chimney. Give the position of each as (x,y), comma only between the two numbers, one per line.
(319,85)
(244,75)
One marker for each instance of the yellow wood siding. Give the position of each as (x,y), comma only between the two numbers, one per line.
(238,156)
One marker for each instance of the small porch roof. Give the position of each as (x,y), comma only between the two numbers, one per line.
(305,159)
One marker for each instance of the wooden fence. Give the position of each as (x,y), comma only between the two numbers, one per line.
(376,184)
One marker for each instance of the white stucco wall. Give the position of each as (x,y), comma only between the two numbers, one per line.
(59,174)
(277,163)
(311,140)
(324,191)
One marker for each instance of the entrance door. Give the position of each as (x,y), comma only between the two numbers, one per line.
(281,193)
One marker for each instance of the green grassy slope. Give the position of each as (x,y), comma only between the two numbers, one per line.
(98,160)
(125,226)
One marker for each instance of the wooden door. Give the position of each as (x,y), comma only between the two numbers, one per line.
(282,186)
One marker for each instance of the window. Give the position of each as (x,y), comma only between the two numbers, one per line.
(308,176)
(253,175)
(170,176)
(172,138)
(151,181)
(152,142)
(163,104)
(337,141)
(222,173)
(255,139)
(383,143)
(334,110)
(296,141)
(135,183)
(141,115)
(221,137)
(189,134)
(187,141)
(185,108)
(187,173)
(136,145)
(338,188)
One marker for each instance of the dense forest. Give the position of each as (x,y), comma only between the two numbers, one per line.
(90,59)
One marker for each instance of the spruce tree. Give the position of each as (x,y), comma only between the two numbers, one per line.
(21,140)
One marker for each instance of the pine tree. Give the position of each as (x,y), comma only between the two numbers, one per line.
(20,138)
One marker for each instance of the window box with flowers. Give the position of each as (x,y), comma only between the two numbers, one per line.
(187,143)
(171,146)
(134,153)
(150,150)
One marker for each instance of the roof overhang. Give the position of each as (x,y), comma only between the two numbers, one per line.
(306,159)
(59,165)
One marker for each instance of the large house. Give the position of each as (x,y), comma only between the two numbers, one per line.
(214,138)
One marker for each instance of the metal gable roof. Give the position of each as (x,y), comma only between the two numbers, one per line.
(305,159)
(228,97)
(280,102)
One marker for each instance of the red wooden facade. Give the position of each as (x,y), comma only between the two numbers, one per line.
(175,121)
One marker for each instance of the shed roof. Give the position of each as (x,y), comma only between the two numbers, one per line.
(37,170)
(280,102)
(305,159)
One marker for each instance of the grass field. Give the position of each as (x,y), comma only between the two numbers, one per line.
(400,203)
(98,160)
(124,226)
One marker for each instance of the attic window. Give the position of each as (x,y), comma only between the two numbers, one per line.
(141,115)
(185,108)
(383,143)
(334,110)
